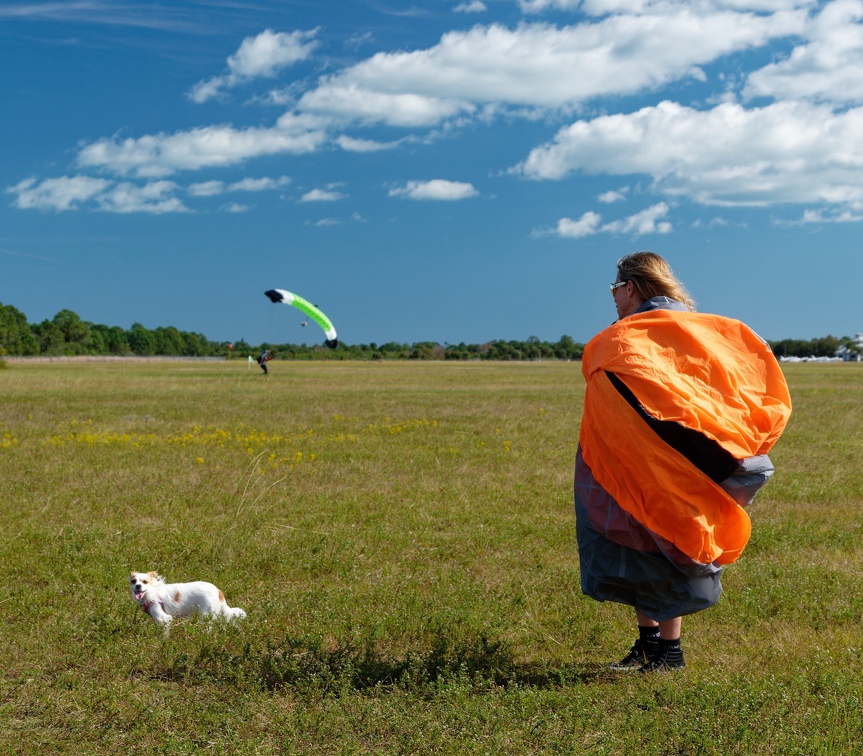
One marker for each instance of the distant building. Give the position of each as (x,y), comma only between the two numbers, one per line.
(852,355)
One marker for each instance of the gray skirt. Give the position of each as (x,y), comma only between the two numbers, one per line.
(649,574)
(649,582)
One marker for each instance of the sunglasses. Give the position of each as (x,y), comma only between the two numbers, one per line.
(617,286)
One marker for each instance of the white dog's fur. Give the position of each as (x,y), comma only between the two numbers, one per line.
(164,601)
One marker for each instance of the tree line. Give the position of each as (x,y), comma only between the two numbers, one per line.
(68,335)
(826,346)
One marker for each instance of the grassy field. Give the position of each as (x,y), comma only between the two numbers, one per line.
(402,538)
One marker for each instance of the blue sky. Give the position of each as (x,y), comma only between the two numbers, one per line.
(428,170)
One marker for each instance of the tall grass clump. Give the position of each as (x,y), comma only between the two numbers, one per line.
(402,538)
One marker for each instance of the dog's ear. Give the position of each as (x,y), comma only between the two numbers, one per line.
(153,574)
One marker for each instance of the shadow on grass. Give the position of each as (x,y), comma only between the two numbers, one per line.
(305,664)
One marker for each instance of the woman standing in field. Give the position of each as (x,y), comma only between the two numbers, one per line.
(680,411)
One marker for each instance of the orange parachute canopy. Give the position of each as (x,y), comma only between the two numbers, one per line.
(710,374)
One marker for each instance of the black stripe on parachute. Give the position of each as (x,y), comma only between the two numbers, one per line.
(705,453)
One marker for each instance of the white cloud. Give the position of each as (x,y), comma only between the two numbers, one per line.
(473,6)
(64,193)
(437,189)
(259,184)
(211,146)
(154,197)
(261,56)
(829,67)
(538,6)
(790,151)
(820,216)
(72,192)
(107,12)
(346,101)
(322,195)
(635,7)
(587,225)
(213,188)
(786,152)
(359,39)
(648,221)
(207,90)
(614,195)
(207,188)
(524,67)
(270,51)
(350,144)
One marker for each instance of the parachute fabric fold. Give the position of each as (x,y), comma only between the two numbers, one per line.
(707,373)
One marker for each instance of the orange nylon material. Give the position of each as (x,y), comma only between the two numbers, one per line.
(709,373)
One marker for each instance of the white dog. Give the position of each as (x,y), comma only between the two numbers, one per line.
(164,601)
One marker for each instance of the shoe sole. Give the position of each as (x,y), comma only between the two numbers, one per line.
(627,668)
(647,669)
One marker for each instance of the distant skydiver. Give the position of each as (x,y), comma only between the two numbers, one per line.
(265,357)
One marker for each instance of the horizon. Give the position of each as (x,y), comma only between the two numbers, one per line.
(856,340)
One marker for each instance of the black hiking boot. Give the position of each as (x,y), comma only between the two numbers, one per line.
(665,660)
(639,656)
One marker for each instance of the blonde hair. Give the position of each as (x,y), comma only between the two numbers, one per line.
(652,277)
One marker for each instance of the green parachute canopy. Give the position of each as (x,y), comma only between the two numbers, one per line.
(289,298)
